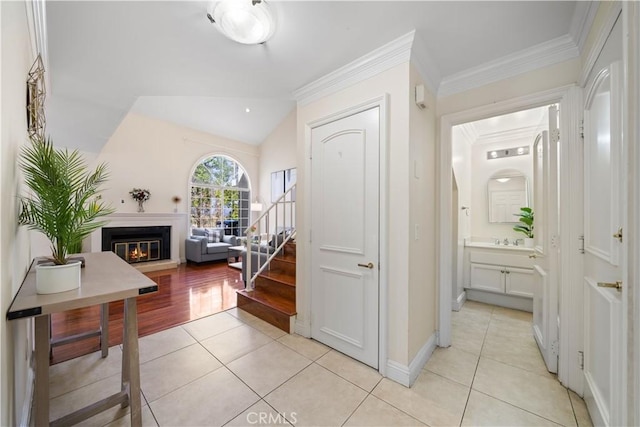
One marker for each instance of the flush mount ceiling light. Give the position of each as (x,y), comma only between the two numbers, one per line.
(509,152)
(243,21)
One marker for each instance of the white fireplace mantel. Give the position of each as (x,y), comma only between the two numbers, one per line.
(177,222)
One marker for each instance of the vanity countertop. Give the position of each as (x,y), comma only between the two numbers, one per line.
(488,245)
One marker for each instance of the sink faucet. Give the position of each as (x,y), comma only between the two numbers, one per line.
(506,241)
(516,242)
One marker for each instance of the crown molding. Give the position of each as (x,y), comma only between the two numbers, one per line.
(598,45)
(581,21)
(469,132)
(507,135)
(385,57)
(425,65)
(542,55)
(39,11)
(37,18)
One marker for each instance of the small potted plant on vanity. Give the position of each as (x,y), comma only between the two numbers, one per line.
(64,205)
(526,226)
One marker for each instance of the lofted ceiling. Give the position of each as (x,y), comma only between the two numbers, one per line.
(164,59)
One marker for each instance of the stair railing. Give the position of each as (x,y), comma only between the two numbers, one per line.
(277,225)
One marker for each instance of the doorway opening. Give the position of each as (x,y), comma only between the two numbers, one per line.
(570,302)
(492,188)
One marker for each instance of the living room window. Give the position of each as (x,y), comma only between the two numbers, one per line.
(220,195)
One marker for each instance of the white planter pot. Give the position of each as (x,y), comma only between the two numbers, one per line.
(51,278)
(528,242)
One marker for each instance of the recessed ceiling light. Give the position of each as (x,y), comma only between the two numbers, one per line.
(243,21)
(247,110)
(494,154)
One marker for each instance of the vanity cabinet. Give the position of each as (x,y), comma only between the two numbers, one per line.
(501,275)
(502,278)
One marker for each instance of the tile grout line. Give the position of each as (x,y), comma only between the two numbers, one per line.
(475,372)
(573,409)
(522,369)
(519,408)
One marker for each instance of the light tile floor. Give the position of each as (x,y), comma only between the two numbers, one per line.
(233,369)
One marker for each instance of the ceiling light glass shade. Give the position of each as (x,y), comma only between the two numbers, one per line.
(244,22)
(503,180)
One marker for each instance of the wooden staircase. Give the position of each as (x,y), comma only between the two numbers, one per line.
(274,297)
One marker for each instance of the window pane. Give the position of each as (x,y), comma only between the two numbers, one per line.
(220,196)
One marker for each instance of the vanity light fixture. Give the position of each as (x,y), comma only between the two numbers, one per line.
(243,21)
(508,152)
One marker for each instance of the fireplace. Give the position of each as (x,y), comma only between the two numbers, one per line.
(138,244)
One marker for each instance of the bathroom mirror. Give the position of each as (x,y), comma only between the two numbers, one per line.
(508,191)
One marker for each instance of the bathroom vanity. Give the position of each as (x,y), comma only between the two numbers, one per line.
(499,274)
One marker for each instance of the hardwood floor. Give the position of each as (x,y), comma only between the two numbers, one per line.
(189,292)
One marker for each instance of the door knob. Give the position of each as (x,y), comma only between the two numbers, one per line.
(369,266)
(617,285)
(618,235)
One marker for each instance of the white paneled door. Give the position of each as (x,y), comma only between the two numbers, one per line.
(604,249)
(545,269)
(345,234)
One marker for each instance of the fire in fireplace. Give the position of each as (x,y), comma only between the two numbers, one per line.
(138,244)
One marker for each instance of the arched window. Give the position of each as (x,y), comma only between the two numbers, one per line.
(220,195)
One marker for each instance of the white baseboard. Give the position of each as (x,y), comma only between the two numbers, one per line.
(25,414)
(457,303)
(302,328)
(594,403)
(503,300)
(407,375)
(292,324)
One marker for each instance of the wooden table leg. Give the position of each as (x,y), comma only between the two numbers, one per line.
(104,329)
(41,395)
(131,360)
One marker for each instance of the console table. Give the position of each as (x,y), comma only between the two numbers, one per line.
(105,278)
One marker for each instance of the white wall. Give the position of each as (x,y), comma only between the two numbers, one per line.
(422,213)
(277,152)
(161,156)
(409,203)
(461,159)
(481,170)
(554,76)
(15,336)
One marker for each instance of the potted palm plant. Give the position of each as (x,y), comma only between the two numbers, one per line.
(63,205)
(526,225)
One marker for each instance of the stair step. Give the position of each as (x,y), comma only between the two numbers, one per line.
(274,297)
(269,285)
(270,307)
(289,248)
(283,265)
(280,277)
(287,256)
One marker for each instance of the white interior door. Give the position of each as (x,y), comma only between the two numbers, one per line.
(345,234)
(545,269)
(506,204)
(604,251)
